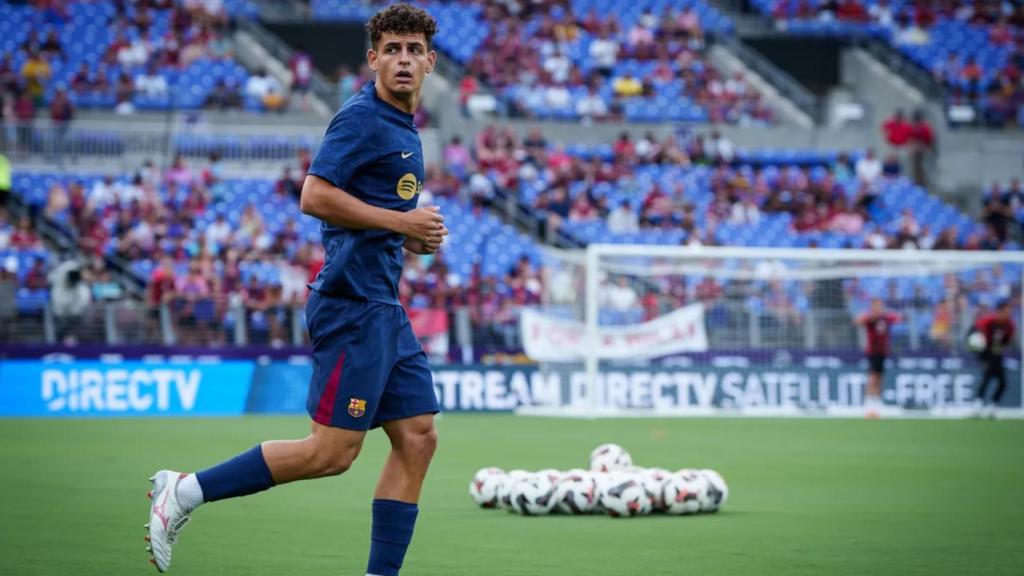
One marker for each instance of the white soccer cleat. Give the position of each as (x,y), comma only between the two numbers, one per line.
(166,517)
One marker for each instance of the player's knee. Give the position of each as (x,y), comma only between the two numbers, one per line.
(420,445)
(331,459)
(334,462)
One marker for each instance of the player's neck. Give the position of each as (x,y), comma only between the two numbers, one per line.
(407,105)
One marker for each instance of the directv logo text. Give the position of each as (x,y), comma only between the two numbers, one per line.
(118,390)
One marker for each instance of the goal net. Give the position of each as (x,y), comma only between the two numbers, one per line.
(660,330)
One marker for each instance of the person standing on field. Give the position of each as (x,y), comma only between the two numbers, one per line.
(998,329)
(877,324)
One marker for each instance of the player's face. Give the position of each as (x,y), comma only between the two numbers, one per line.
(401,61)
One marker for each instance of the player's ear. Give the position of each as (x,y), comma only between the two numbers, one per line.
(371,59)
(431,61)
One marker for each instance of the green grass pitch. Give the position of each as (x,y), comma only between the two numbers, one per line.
(807,497)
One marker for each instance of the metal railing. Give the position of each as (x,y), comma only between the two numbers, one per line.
(731,325)
(83,140)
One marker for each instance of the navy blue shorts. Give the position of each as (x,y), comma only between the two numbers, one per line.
(368,367)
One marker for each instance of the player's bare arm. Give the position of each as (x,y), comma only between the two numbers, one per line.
(323,200)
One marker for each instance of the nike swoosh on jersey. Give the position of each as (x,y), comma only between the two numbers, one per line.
(406,155)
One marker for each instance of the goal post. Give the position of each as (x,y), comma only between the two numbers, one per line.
(664,330)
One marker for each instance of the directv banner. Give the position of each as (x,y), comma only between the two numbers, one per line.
(707,387)
(281,388)
(132,388)
(33,388)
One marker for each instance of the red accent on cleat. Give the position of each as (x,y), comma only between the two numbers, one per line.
(149,494)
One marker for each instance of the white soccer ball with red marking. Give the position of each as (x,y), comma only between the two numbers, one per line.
(484,486)
(623,495)
(505,488)
(610,457)
(576,493)
(717,493)
(553,475)
(654,480)
(684,491)
(532,495)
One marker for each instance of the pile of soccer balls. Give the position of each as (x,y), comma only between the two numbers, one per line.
(612,486)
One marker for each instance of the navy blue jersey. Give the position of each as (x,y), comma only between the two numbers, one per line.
(372,151)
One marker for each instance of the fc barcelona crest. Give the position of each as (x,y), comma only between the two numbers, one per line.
(356,407)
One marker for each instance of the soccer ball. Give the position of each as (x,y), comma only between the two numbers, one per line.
(504,491)
(576,493)
(624,496)
(533,495)
(654,480)
(684,491)
(717,493)
(608,457)
(484,486)
(553,475)
(976,342)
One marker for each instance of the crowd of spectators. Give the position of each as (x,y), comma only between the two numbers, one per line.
(546,58)
(204,258)
(974,49)
(143,48)
(844,196)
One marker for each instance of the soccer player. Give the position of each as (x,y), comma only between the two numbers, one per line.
(998,329)
(368,368)
(877,324)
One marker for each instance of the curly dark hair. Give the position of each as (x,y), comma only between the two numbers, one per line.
(401,19)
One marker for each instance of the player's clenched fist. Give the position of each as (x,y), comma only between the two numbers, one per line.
(424,224)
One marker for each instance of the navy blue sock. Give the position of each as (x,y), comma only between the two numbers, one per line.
(393,522)
(244,474)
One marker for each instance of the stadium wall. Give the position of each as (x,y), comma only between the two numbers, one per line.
(747,383)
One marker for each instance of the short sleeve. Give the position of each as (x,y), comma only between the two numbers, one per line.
(348,145)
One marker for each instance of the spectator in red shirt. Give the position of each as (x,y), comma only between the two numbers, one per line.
(998,329)
(851,11)
(24,237)
(897,130)
(971,72)
(877,324)
(36,279)
(922,143)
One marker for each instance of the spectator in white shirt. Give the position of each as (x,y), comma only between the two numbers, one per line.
(720,148)
(623,219)
(592,106)
(150,82)
(103,193)
(745,212)
(604,51)
(620,296)
(218,232)
(868,168)
(260,84)
(558,65)
(558,97)
(135,54)
(881,13)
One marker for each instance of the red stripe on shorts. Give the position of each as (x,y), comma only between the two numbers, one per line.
(325,409)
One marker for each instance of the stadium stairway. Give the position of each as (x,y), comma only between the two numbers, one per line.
(261,48)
